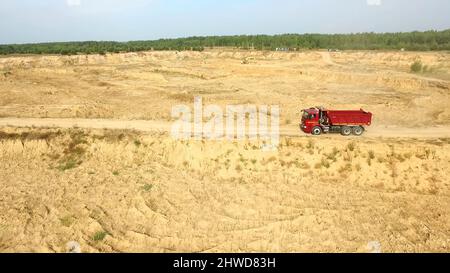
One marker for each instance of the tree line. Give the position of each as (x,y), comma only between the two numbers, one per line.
(413,41)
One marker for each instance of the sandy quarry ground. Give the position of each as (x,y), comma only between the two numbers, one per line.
(118,181)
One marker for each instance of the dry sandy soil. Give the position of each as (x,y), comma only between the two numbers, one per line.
(85,154)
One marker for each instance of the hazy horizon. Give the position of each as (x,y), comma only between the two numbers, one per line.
(30,21)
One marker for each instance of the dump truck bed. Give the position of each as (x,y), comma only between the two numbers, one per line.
(339,117)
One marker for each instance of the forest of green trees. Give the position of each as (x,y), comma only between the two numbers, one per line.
(414,41)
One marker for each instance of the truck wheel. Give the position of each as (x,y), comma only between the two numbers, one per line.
(358,130)
(317,131)
(346,131)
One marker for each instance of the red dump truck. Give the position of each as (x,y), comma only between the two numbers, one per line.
(318,120)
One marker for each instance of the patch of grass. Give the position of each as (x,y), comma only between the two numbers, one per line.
(152,204)
(310,144)
(370,157)
(99,236)
(67,221)
(416,67)
(24,136)
(137,143)
(115,173)
(347,156)
(6,73)
(77,138)
(288,142)
(147,187)
(117,135)
(68,164)
(241,158)
(392,166)
(78,151)
(323,163)
(351,146)
(333,155)
(426,154)
(346,168)
(74,152)
(227,163)
(400,158)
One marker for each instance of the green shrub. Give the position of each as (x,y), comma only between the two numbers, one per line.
(417,67)
(99,236)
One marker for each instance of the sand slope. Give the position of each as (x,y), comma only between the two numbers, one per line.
(153,194)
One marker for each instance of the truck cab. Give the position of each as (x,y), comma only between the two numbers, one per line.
(310,119)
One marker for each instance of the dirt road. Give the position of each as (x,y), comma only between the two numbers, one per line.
(165,126)
(326,57)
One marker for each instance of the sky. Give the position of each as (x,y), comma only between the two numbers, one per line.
(31,21)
